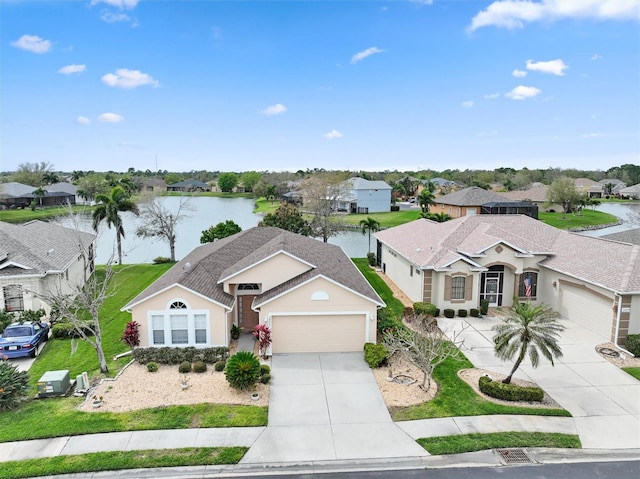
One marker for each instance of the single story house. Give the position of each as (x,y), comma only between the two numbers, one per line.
(18,195)
(189,185)
(632,192)
(156,185)
(309,293)
(469,201)
(38,259)
(536,194)
(365,196)
(612,186)
(593,281)
(592,189)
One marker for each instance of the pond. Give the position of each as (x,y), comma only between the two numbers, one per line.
(206,211)
(629,213)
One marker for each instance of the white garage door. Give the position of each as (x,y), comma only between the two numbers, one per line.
(315,334)
(588,309)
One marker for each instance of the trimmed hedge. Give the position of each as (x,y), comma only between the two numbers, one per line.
(425,308)
(484,306)
(449,313)
(199,367)
(509,392)
(167,355)
(371,258)
(219,366)
(462,313)
(375,354)
(633,344)
(474,313)
(65,330)
(185,367)
(152,367)
(388,320)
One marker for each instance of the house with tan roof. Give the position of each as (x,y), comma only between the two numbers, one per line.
(456,264)
(590,188)
(475,201)
(38,259)
(309,293)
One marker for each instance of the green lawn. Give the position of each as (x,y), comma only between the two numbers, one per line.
(480,442)
(572,220)
(393,303)
(120,460)
(22,216)
(635,372)
(386,220)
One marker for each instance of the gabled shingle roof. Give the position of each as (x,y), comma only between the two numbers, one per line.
(430,245)
(535,193)
(472,196)
(362,184)
(202,270)
(39,247)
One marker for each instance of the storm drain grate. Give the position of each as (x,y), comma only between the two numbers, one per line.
(514,456)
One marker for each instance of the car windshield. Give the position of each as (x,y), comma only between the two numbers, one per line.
(16,332)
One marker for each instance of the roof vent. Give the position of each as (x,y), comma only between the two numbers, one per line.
(50,251)
(186,269)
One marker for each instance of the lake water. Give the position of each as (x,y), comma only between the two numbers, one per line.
(208,211)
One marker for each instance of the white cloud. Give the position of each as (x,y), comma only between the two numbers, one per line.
(333,134)
(555,67)
(69,69)
(467,104)
(512,14)
(125,78)
(522,92)
(121,4)
(365,53)
(110,118)
(276,109)
(83,120)
(591,135)
(32,43)
(595,56)
(519,73)
(492,96)
(111,17)
(422,2)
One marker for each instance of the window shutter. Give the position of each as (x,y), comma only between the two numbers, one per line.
(447,288)
(468,287)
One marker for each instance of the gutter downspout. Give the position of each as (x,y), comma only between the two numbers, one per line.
(618,314)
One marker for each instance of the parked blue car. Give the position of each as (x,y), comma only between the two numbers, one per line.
(23,339)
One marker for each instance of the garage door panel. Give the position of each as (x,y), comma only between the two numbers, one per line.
(306,334)
(590,310)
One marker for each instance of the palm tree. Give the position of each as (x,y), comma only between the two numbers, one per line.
(369,225)
(40,193)
(528,329)
(426,199)
(108,208)
(438,217)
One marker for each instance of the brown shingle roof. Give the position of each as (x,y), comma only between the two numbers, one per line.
(472,196)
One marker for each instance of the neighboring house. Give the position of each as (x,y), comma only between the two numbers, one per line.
(536,194)
(309,293)
(632,192)
(441,185)
(591,188)
(39,259)
(18,195)
(470,201)
(189,185)
(155,185)
(612,186)
(627,236)
(365,196)
(592,281)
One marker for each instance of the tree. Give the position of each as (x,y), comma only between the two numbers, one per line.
(425,346)
(438,217)
(227,181)
(219,231)
(396,192)
(409,185)
(322,194)
(249,180)
(426,199)
(159,222)
(369,225)
(40,193)
(50,178)
(108,208)
(528,329)
(289,218)
(563,191)
(31,173)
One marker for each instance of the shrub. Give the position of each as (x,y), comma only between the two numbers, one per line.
(474,312)
(262,333)
(509,392)
(484,306)
(243,370)
(375,354)
(167,355)
(265,369)
(449,313)
(14,385)
(185,367)
(152,367)
(131,334)
(425,308)
(633,344)
(6,318)
(65,330)
(371,257)
(199,367)
(395,207)
(437,312)
(407,311)
(219,366)
(387,320)
(161,260)
(462,313)
(265,378)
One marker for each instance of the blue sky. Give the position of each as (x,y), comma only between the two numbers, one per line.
(288,85)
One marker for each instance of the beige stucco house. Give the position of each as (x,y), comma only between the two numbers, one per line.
(309,293)
(39,259)
(593,281)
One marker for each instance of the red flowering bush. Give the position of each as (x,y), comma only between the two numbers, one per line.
(131,335)
(263,334)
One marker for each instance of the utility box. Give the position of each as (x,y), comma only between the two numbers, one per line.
(54,383)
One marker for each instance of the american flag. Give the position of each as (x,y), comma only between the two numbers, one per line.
(527,287)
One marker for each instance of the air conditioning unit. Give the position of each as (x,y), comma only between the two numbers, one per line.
(54,383)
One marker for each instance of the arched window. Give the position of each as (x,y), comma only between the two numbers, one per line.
(178,305)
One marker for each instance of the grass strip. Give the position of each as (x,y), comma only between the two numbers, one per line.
(479,442)
(635,372)
(63,419)
(374,279)
(573,220)
(118,460)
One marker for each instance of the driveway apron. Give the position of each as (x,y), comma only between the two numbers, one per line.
(324,407)
(603,399)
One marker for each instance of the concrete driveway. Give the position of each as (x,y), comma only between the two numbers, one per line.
(604,400)
(325,407)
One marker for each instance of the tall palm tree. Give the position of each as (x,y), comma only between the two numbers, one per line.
(528,329)
(40,193)
(108,208)
(369,225)
(426,199)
